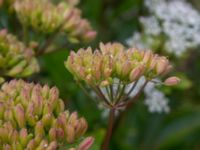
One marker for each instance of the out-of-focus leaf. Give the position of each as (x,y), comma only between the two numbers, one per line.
(178,130)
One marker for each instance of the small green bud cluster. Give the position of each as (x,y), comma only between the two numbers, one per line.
(16,60)
(111,61)
(33,117)
(45,17)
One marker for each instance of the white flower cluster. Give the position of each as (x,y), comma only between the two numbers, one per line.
(175,20)
(155,100)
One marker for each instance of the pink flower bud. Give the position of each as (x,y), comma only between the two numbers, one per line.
(73,118)
(161,65)
(54,95)
(126,67)
(23,137)
(172,81)
(52,134)
(90,36)
(60,134)
(86,144)
(147,56)
(20,115)
(3,32)
(32,144)
(39,128)
(70,134)
(81,127)
(52,146)
(136,73)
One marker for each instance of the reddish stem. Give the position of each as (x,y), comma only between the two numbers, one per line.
(108,135)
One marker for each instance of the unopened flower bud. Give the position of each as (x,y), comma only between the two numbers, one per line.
(43,145)
(147,56)
(70,134)
(39,128)
(126,67)
(161,65)
(31,144)
(23,137)
(52,146)
(47,120)
(86,144)
(171,81)
(136,73)
(17,145)
(19,115)
(52,134)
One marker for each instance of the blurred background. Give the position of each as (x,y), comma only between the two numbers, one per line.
(173,123)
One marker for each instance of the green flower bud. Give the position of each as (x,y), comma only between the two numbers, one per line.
(19,115)
(43,145)
(15,59)
(39,128)
(23,137)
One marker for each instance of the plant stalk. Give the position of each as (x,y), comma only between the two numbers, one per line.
(105,145)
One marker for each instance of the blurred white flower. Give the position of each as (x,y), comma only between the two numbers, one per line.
(151,25)
(176,20)
(155,100)
(138,42)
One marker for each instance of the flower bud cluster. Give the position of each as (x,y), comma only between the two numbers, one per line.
(16,60)
(33,117)
(114,61)
(45,17)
